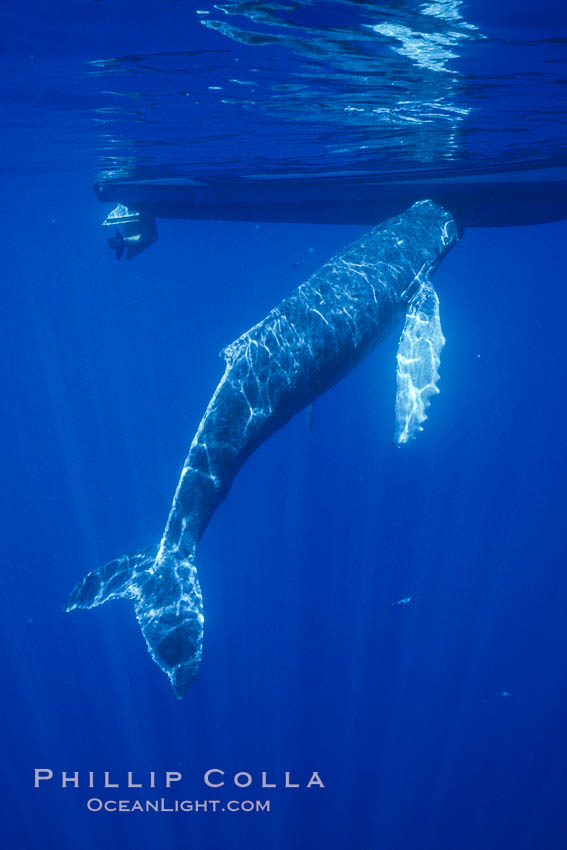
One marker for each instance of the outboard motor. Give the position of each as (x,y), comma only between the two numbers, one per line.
(134,231)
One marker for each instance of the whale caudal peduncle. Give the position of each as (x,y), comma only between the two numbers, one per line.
(311,340)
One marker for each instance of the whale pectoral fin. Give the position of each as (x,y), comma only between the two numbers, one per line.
(418,358)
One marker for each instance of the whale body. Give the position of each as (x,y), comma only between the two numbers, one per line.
(311,340)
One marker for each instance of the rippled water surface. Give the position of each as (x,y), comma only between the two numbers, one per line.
(291,87)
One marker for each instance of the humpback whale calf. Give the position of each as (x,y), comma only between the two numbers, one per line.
(311,340)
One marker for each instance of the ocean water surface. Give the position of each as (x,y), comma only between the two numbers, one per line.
(435,724)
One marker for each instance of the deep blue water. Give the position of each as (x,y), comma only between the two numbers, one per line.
(106,370)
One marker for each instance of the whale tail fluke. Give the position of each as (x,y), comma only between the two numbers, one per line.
(167,601)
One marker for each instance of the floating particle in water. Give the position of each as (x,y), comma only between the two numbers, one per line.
(498,695)
(401,603)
